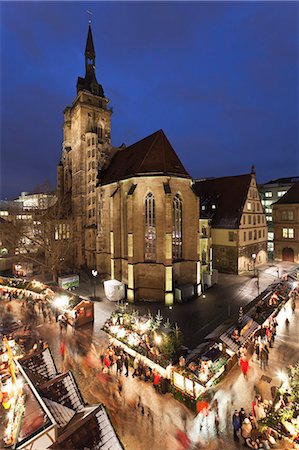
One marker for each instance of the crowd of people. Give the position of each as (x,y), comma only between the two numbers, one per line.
(245,426)
(115,357)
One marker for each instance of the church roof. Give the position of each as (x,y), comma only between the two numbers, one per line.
(222,199)
(291,197)
(152,155)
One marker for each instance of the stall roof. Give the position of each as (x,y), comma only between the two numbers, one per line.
(37,418)
(39,366)
(63,389)
(226,336)
(98,432)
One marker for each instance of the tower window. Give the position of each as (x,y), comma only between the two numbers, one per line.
(177,228)
(150,228)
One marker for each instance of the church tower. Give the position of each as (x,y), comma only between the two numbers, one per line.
(85,150)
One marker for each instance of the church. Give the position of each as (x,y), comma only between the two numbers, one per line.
(135,215)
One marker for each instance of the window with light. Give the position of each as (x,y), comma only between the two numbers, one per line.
(177,228)
(150,228)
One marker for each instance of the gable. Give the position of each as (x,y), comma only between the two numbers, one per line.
(152,155)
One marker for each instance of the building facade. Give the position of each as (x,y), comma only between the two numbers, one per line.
(238,222)
(133,208)
(286,226)
(270,193)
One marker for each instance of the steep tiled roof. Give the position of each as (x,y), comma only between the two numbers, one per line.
(152,155)
(227,194)
(291,197)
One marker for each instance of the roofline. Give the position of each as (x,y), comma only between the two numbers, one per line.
(146,174)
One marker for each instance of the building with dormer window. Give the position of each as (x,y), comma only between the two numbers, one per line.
(237,220)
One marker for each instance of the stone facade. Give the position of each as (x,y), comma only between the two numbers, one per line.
(121,236)
(109,229)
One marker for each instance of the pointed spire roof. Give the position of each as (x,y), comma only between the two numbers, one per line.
(89,49)
(152,155)
(89,82)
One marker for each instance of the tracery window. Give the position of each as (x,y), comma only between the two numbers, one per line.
(150,228)
(177,252)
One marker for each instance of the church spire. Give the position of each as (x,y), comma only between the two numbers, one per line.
(89,83)
(90,54)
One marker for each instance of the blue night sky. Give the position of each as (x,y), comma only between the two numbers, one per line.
(220,78)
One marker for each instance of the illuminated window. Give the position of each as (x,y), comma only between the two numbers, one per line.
(288,233)
(268,194)
(150,228)
(249,205)
(177,228)
(281,193)
(62,231)
(213,206)
(203,207)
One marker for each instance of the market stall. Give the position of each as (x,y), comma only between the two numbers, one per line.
(201,371)
(283,416)
(146,335)
(238,334)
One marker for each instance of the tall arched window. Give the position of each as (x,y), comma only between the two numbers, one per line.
(150,228)
(177,252)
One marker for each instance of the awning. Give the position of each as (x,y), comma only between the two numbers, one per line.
(248,327)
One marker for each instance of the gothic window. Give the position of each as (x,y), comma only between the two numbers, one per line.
(100,133)
(150,228)
(177,228)
(125,226)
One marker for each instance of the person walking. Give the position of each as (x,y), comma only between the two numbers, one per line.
(263,359)
(244,366)
(257,350)
(246,429)
(242,415)
(293,305)
(135,367)
(126,364)
(236,424)
(119,365)
(107,362)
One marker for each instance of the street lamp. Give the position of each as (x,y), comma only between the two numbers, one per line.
(253,256)
(94,274)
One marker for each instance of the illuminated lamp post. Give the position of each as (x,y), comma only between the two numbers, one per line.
(253,256)
(94,274)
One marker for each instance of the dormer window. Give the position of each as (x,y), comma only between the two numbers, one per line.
(213,206)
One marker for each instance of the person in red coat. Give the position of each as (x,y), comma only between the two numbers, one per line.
(244,366)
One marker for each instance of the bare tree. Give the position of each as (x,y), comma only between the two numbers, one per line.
(43,237)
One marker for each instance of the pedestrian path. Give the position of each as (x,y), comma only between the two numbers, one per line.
(236,392)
